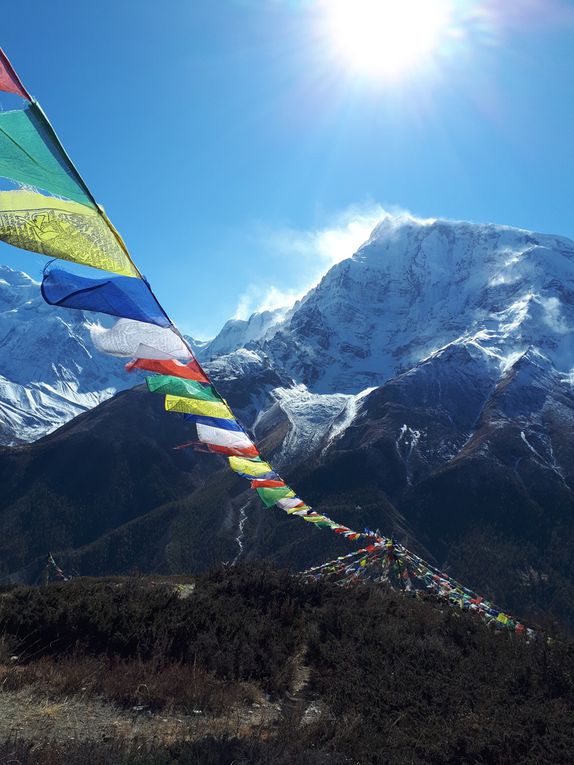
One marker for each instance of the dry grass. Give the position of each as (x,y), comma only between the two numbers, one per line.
(151,685)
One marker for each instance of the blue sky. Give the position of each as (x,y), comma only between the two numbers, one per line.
(239,154)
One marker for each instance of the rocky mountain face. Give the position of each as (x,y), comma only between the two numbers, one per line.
(423,387)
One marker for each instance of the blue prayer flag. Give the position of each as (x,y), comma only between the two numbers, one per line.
(120,296)
(214,422)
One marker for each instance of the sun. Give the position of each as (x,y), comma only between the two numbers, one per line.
(386,38)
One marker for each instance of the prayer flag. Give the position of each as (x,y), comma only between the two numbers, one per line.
(226,450)
(192,406)
(176,386)
(290,504)
(227,438)
(128,338)
(251,468)
(232,451)
(215,422)
(270,497)
(190,371)
(31,155)
(60,228)
(9,80)
(314,517)
(267,483)
(119,296)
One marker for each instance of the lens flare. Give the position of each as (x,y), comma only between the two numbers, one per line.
(387,38)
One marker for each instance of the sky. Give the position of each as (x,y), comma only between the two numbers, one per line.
(242,147)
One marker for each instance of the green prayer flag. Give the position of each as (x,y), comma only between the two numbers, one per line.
(30,154)
(270,496)
(178,386)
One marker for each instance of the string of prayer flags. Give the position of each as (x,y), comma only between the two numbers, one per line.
(47,208)
(388,562)
(119,296)
(51,210)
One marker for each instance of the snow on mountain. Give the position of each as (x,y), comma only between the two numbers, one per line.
(48,370)
(311,419)
(415,287)
(237,333)
(435,309)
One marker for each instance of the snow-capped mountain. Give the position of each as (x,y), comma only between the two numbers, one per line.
(415,287)
(237,333)
(49,371)
(433,305)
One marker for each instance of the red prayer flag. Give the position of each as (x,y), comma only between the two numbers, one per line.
(9,80)
(201,446)
(267,483)
(191,371)
(246,451)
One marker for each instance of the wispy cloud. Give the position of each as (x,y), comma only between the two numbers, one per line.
(312,253)
(338,239)
(257,298)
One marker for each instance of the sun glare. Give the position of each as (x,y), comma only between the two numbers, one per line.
(387,38)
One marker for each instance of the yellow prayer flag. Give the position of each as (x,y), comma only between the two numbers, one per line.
(295,510)
(60,228)
(193,406)
(249,467)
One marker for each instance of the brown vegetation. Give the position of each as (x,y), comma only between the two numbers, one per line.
(256,666)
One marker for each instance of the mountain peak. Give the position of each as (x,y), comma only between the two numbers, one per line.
(417,286)
(13,278)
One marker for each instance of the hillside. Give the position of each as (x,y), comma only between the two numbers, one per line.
(252,664)
(108,494)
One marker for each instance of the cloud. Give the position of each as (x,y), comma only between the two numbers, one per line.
(339,239)
(256,299)
(310,253)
